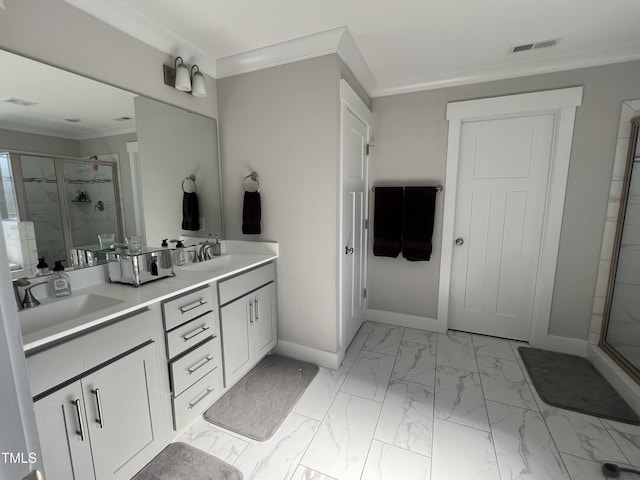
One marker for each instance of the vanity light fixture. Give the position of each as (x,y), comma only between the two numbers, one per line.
(180,78)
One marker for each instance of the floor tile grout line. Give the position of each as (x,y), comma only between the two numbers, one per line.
(329,409)
(484,398)
(433,412)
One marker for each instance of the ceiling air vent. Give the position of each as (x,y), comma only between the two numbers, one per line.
(535,45)
(19,101)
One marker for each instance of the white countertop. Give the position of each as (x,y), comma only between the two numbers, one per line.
(237,257)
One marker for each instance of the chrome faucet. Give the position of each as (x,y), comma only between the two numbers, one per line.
(204,252)
(29,300)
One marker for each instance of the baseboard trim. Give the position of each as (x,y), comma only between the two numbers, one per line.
(405,320)
(308,354)
(554,343)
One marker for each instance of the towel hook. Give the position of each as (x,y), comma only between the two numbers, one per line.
(253,176)
(191,184)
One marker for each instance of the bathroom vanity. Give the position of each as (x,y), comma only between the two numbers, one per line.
(112,387)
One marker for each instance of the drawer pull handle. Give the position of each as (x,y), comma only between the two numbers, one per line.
(199,365)
(191,306)
(201,397)
(100,419)
(195,333)
(80,422)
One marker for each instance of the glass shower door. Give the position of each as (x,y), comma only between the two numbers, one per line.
(91,193)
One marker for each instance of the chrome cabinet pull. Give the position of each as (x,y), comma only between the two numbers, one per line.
(100,418)
(194,333)
(199,365)
(257,311)
(80,422)
(191,306)
(200,398)
(251,312)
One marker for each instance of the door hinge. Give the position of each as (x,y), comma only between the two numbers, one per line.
(369,147)
(366,223)
(364,293)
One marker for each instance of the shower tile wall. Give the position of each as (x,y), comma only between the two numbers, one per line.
(630,109)
(44,206)
(87,220)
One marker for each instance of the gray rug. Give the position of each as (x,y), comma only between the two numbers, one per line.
(258,404)
(180,461)
(573,383)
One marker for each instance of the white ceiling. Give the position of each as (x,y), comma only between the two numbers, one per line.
(60,95)
(408,44)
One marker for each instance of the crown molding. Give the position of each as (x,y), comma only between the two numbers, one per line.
(122,17)
(502,71)
(337,40)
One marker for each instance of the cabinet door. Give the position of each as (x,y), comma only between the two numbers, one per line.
(237,344)
(264,324)
(62,428)
(122,406)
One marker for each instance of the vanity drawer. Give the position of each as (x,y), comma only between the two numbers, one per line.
(194,365)
(196,399)
(245,282)
(192,333)
(187,307)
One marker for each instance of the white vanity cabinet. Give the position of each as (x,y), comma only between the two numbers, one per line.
(193,353)
(247,320)
(105,421)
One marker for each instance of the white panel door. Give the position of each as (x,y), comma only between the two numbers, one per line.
(355,135)
(500,209)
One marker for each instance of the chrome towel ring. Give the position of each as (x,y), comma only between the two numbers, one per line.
(189,184)
(253,183)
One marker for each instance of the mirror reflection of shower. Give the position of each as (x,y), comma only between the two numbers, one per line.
(68,200)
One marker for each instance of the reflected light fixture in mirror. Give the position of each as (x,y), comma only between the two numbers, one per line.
(180,78)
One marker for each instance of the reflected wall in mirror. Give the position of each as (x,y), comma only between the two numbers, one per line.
(621,329)
(75,142)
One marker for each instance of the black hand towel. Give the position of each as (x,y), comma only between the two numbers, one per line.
(387,222)
(419,212)
(251,213)
(190,212)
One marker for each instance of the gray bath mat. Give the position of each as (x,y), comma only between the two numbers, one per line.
(258,404)
(572,382)
(180,461)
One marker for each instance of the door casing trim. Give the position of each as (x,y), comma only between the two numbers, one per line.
(562,103)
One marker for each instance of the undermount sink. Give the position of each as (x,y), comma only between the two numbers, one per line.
(60,310)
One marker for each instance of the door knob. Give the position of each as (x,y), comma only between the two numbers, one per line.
(348,250)
(459,241)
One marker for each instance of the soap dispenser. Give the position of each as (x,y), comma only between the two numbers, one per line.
(41,268)
(60,282)
(181,256)
(217,247)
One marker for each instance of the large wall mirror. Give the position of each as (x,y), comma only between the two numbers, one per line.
(621,330)
(79,158)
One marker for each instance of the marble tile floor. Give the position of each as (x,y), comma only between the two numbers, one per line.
(408,404)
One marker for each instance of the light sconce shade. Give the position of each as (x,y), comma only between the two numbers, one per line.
(180,78)
(183,79)
(198,88)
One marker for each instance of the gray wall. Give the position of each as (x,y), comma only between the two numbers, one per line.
(411,139)
(174,144)
(34,143)
(283,123)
